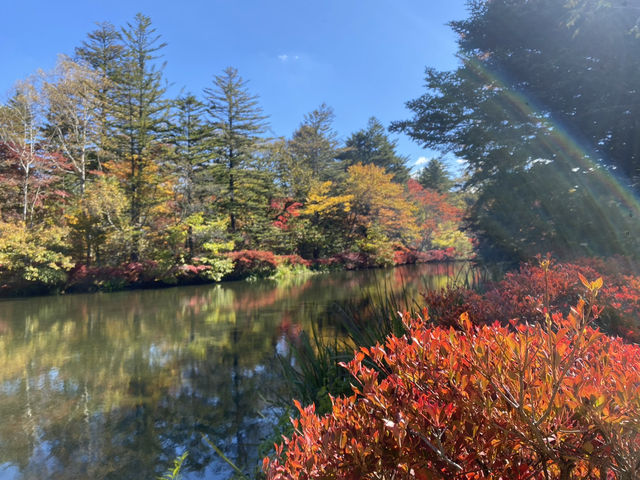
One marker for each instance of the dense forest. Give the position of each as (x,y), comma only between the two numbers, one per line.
(108,182)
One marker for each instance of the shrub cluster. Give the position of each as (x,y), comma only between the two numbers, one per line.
(86,278)
(527,391)
(400,256)
(261,264)
(525,294)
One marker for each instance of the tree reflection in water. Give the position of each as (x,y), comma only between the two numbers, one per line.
(114,386)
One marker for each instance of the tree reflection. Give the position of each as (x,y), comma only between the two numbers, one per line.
(117,385)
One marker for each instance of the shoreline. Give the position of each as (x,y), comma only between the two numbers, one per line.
(7,293)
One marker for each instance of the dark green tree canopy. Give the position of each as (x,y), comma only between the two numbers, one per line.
(543,86)
(237,123)
(189,136)
(102,49)
(435,176)
(314,144)
(138,121)
(372,145)
(143,109)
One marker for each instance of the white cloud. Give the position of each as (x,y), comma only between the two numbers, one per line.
(421,161)
(286,57)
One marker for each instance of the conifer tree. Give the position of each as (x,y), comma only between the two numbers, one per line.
(188,134)
(314,144)
(237,122)
(371,145)
(103,51)
(435,176)
(541,108)
(140,116)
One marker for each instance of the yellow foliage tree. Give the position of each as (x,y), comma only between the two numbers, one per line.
(150,194)
(321,202)
(33,255)
(377,201)
(99,223)
(323,219)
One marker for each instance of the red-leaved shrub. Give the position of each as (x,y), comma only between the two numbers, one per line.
(253,262)
(138,274)
(523,295)
(555,399)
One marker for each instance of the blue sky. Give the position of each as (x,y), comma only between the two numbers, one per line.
(362,57)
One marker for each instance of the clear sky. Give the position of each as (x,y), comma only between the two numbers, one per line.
(362,57)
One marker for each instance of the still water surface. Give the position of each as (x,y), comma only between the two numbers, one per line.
(114,386)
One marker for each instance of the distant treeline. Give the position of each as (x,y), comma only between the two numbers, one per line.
(103,174)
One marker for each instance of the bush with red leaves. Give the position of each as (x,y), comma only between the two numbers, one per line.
(257,263)
(547,400)
(132,274)
(293,260)
(523,295)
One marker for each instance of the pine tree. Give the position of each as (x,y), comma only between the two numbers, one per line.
(314,144)
(542,107)
(237,122)
(188,134)
(103,52)
(435,176)
(371,145)
(139,122)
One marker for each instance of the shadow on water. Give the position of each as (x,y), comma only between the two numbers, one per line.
(117,385)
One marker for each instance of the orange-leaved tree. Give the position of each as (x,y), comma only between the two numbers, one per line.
(378,200)
(440,219)
(551,400)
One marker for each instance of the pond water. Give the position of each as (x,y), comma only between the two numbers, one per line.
(116,385)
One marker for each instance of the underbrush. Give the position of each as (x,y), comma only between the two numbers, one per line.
(544,357)
(236,265)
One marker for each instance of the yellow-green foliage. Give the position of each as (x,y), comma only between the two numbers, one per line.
(209,236)
(378,200)
(33,254)
(320,201)
(377,245)
(99,218)
(211,239)
(448,235)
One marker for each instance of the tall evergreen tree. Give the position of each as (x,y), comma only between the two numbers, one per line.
(237,122)
(293,177)
(314,144)
(435,176)
(542,108)
(103,52)
(371,145)
(189,135)
(140,117)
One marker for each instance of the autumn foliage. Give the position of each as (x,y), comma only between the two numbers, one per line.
(261,263)
(522,295)
(106,176)
(550,399)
